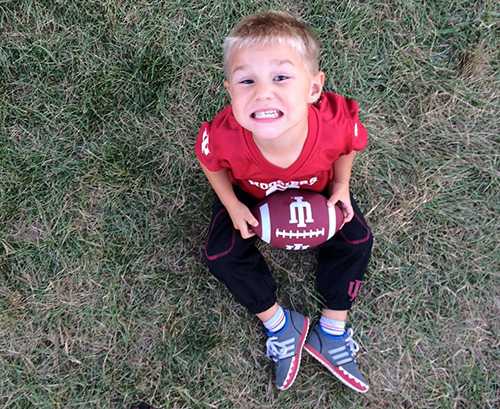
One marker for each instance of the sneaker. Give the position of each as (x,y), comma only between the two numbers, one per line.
(285,346)
(337,354)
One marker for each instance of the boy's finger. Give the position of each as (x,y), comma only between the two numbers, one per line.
(331,202)
(245,233)
(253,221)
(348,214)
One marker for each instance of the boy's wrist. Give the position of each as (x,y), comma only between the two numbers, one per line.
(230,202)
(341,182)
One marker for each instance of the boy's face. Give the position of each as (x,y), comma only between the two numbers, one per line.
(270,88)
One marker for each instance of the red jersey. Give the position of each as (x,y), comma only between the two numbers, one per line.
(334,129)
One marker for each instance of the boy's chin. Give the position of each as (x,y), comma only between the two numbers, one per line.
(265,136)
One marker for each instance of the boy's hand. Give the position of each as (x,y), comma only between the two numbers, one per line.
(242,217)
(340,195)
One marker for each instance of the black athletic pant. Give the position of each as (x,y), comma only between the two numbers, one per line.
(236,262)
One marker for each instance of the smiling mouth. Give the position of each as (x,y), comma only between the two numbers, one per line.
(267,114)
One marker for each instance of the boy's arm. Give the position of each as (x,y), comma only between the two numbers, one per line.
(340,190)
(239,213)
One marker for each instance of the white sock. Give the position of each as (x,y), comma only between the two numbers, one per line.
(277,321)
(330,326)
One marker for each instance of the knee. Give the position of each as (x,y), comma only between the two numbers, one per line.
(369,241)
(364,246)
(216,252)
(358,234)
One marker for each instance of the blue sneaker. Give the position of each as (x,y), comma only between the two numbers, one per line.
(337,354)
(285,346)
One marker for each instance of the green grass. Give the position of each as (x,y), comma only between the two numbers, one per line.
(104,299)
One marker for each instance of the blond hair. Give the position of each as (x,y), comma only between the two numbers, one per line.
(273,27)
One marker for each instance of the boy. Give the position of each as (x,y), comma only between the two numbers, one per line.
(282,131)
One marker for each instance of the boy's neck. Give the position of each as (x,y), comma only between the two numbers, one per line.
(285,149)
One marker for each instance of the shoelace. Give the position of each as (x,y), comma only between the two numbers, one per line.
(280,350)
(353,345)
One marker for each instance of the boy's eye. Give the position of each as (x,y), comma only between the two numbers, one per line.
(246,82)
(280,78)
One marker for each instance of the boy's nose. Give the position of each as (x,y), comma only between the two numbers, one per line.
(263,91)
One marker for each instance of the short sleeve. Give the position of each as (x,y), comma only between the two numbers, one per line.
(357,131)
(204,149)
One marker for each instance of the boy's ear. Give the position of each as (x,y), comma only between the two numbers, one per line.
(317,86)
(226,86)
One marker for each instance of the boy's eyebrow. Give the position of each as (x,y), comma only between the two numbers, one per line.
(239,68)
(283,62)
(276,62)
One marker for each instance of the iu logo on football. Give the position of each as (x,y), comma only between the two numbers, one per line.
(300,212)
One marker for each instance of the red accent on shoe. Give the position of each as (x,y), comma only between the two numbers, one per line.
(294,367)
(337,371)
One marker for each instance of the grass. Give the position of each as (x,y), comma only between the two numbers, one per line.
(104,299)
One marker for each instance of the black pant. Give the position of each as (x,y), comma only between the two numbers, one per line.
(236,262)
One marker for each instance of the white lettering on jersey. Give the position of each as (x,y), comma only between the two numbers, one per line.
(273,186)
(300,212)
(356,130)
(204,143)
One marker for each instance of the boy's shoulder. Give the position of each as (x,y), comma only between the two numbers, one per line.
(224,121)
(339,116)
(333,106)
(221,141)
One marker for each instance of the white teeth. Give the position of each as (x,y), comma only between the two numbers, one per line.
(266,114)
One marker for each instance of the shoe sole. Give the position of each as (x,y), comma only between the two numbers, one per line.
(295,366)
(337,371)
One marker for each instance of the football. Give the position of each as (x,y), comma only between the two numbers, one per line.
(296,219)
